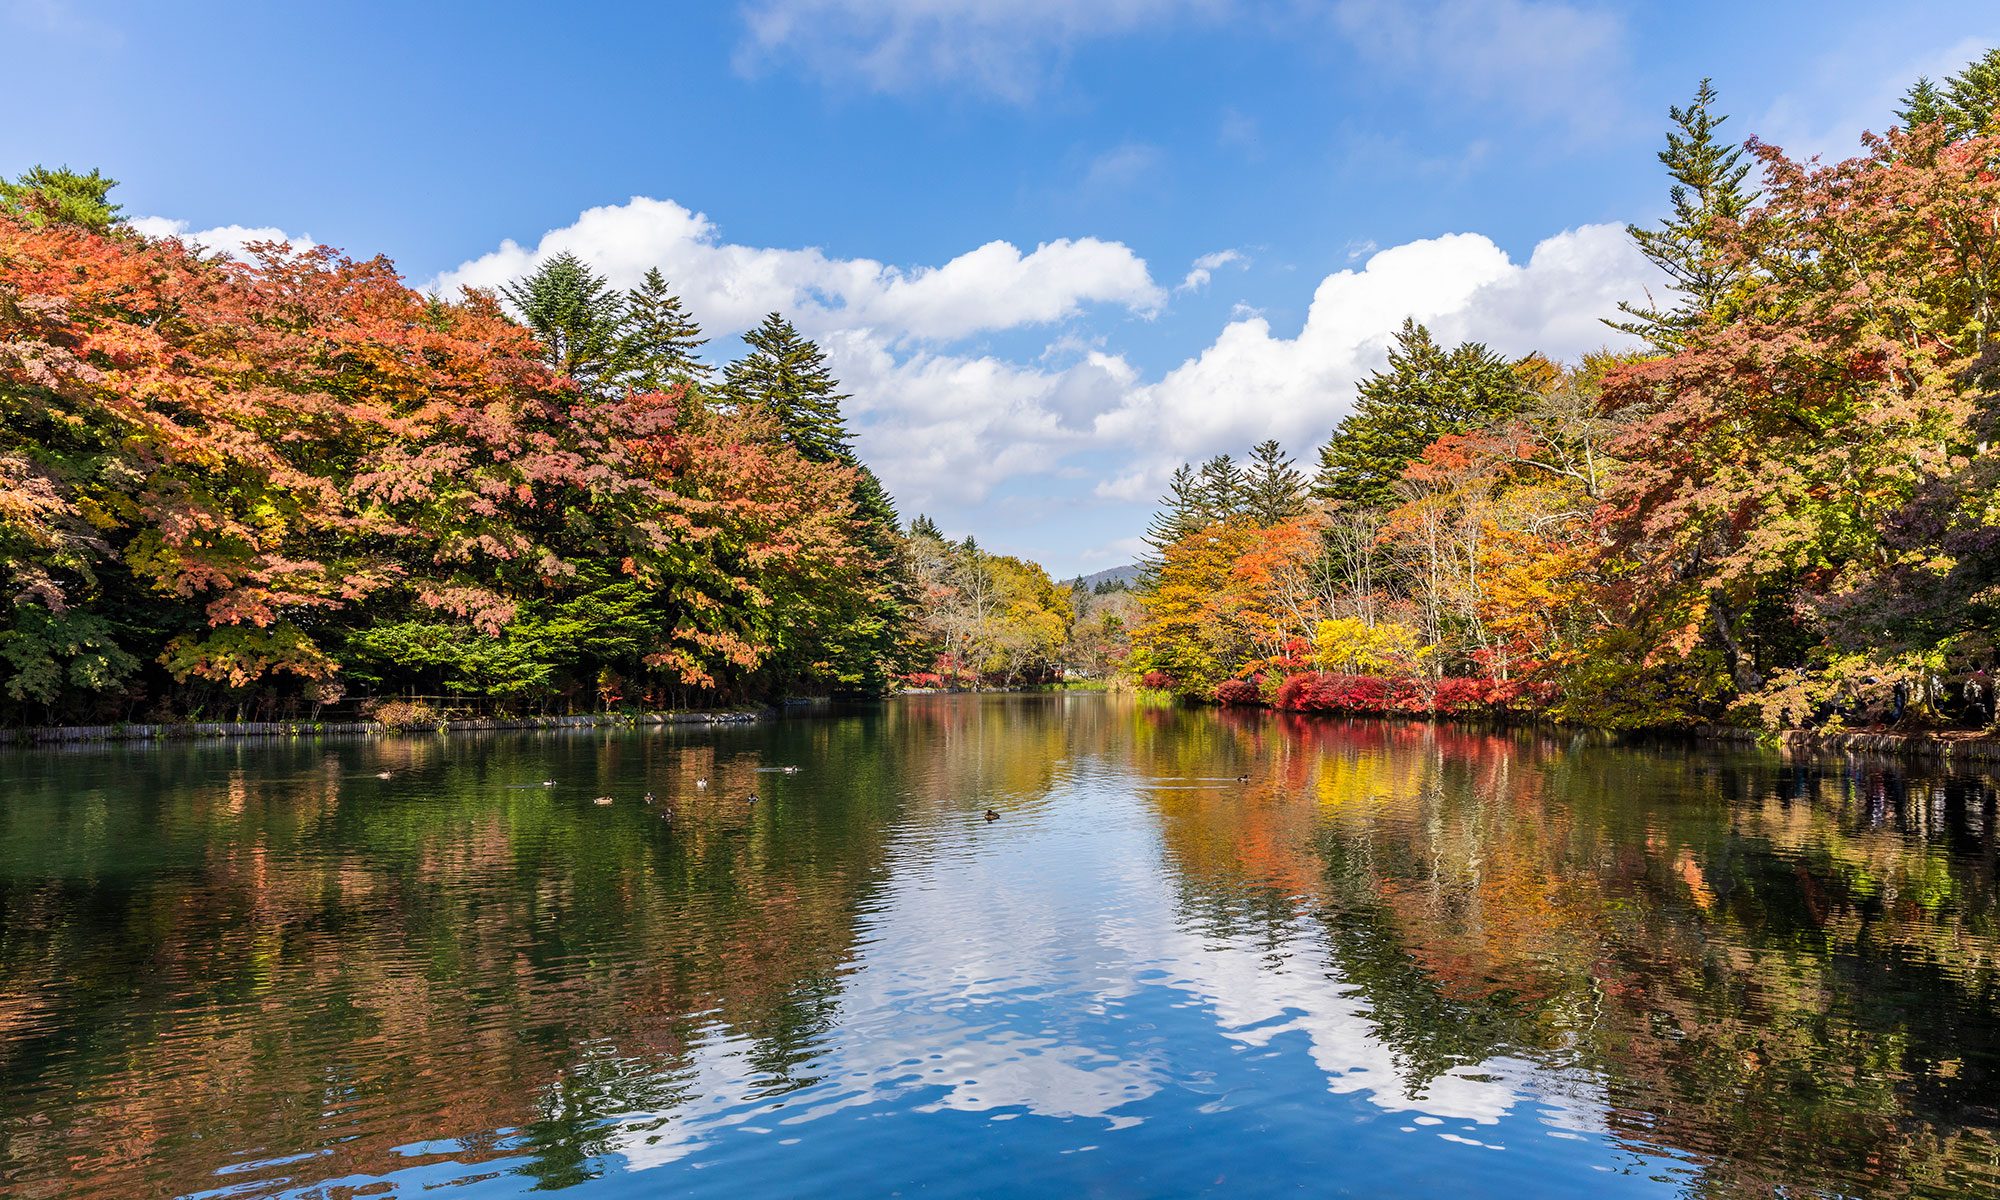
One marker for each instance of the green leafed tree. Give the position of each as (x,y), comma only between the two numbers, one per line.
(1274,490)
(575,313)
(60,196)
(1425,393)
(1708,188)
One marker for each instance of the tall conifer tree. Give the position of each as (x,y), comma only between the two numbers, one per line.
(1222,487)
(1974,96)
(787,374)
(1425,393)
(1922,104)
(1968,103)
(1274,490)
(1182,510)
(575,313)
(658,340)
(1708,187)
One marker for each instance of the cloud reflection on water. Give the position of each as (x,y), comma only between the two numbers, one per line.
(976,987)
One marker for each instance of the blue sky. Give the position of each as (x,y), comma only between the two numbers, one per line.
(1053,248)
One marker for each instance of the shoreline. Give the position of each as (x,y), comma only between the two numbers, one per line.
(1933,746)
(1940,747)
(1944,746)
(47,735)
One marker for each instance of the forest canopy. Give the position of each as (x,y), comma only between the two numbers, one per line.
(254,486)
(1779,511)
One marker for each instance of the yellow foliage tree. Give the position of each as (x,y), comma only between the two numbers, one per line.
(1354,646)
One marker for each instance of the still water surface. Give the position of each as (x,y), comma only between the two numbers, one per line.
(1400,960)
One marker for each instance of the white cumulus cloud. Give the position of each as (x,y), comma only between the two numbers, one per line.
(950,427)
(946,428)
(730,287)
(1251,383)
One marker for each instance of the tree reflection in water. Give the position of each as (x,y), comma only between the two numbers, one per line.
(1783,971)
(256,969)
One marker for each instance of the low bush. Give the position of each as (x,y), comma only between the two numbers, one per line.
(403,714)
(1237,691)
(1338,692)
(1453,696)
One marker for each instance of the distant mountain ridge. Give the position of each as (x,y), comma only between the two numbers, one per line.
(1127,575)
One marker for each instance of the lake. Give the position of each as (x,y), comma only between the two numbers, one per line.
(1401,959)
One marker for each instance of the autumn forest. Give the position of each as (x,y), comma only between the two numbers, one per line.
(289,484)
(1778,513)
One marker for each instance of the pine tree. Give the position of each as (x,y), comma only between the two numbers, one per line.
(1425,393)
(1222,487)
(1182,510)
(1973,96)
(1274,490)
(658,341)
(876,508)
(788,374)
(1708,187)
(60,197)
(575,314)
(1922,104)
(1967,104)
(872,642)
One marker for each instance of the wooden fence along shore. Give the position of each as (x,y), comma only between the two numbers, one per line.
(224,729)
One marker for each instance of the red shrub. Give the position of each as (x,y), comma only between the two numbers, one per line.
(1289,692)
(1453,695)
(1236,691)
(1325,691)
(1157,680)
